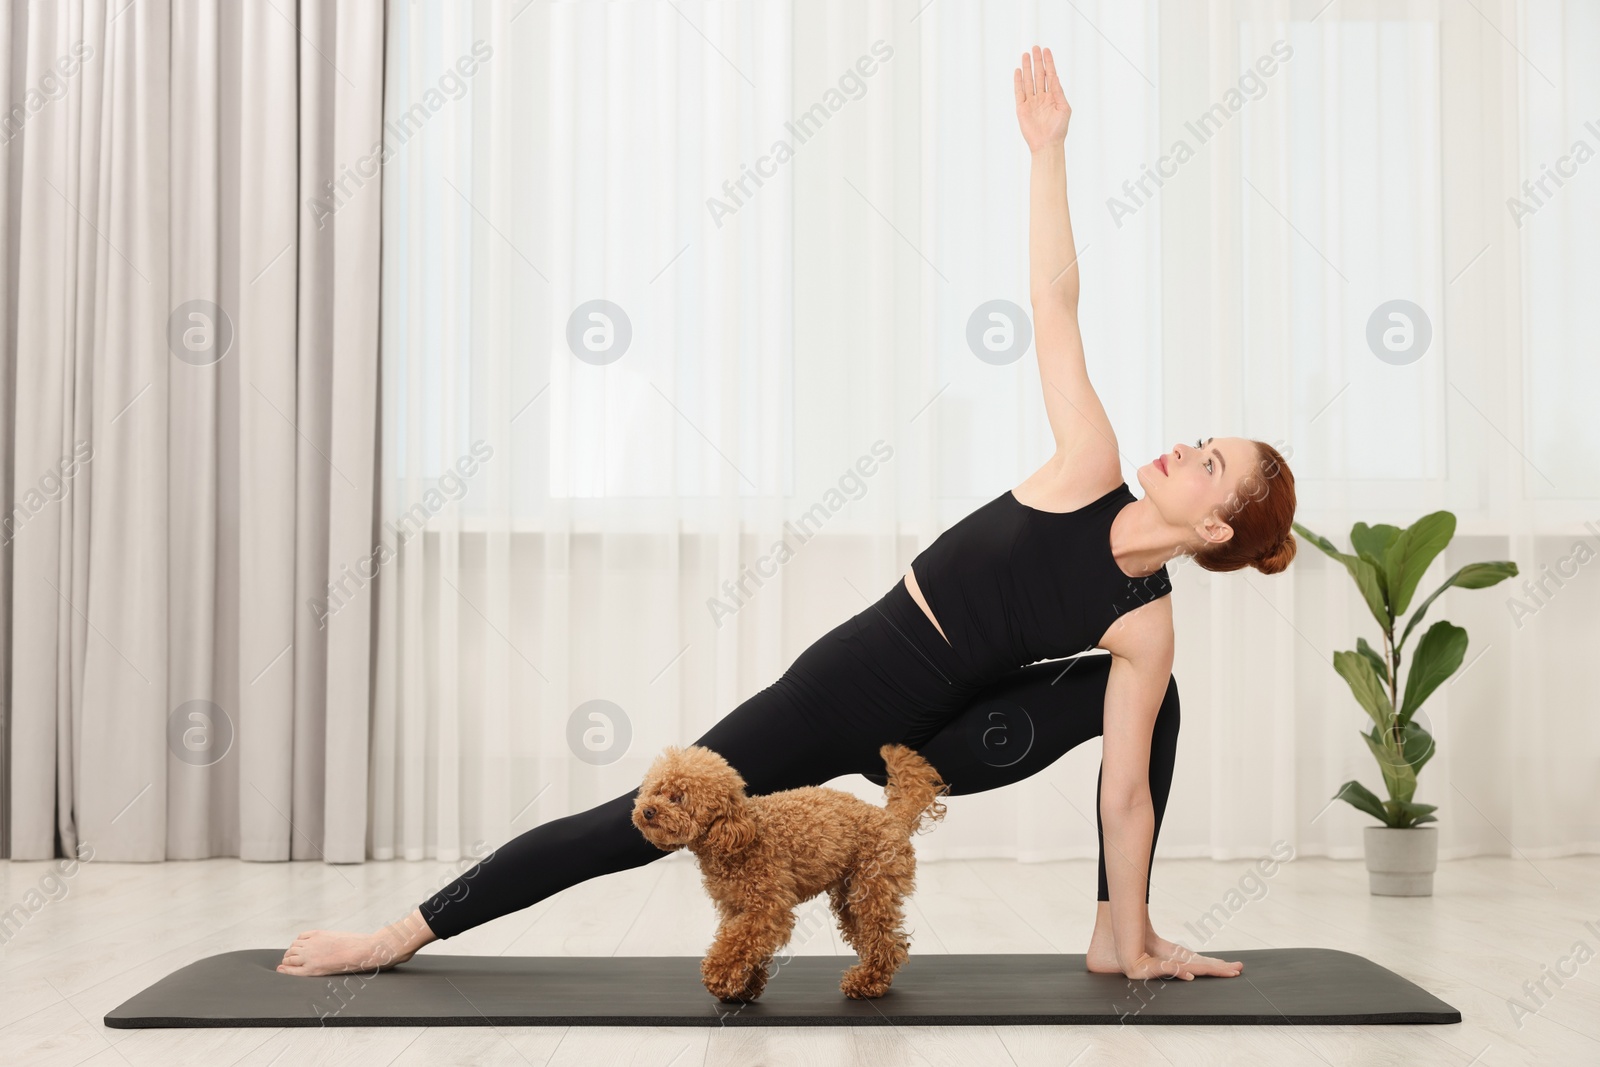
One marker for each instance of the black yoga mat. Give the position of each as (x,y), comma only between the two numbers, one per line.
(1280,985)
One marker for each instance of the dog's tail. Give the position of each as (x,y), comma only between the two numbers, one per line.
(913,788)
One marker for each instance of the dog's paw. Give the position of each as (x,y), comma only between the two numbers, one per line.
(735,987)
(734,992)
(859,983)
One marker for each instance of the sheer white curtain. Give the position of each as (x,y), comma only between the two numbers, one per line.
(584,531)
(1380,165)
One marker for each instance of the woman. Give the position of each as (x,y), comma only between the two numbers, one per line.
(1068,561)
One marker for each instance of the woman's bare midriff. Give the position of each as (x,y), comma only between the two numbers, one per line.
(916,594)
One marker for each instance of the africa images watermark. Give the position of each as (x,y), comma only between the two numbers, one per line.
(852,486)
(852,86)
(51,86)
(352,178)
(1535,193)
(1566,967)
(52,888)
(1252,86)
(52,488)
(350,581)
(1538,593)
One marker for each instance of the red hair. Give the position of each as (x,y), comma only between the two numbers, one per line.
(1261,512)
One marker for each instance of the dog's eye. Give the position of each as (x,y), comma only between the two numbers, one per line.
(676,798)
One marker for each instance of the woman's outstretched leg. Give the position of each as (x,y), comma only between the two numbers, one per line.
(770,739)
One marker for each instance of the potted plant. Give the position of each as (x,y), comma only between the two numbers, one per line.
(1388,562)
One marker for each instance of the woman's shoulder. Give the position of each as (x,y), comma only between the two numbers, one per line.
(1144,633)
(1066,486)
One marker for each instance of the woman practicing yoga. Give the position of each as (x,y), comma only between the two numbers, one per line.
(1069,561)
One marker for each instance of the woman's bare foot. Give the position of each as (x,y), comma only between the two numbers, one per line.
(320,952)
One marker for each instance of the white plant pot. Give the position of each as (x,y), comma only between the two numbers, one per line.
(1400,863)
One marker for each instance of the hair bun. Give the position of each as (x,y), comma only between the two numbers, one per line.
(1279,557)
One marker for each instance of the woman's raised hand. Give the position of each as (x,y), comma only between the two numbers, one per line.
(1042,108)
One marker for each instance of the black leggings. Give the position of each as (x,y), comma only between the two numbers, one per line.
(883,675)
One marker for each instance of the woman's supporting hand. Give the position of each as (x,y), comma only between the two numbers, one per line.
(1042,108)
(1159,958)
(1196,963)
(1165,959)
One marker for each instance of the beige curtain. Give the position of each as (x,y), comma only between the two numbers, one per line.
(190,438)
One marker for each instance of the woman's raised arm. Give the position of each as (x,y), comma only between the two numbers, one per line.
(1077,418)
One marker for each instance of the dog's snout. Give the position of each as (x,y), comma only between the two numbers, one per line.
(649,814)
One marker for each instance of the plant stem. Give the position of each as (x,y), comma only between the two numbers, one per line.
(1393,655)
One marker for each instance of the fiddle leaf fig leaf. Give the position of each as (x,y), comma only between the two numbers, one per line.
(1365,573)
(1362,678)
(1397,773)
(1374,658)
(1436,658)
(1363,799)
(1408,557)
(1472,576)
(1373,540)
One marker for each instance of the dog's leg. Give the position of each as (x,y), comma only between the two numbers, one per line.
(872,917)
(839,903)
(735,968)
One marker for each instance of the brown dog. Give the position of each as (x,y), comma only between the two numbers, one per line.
(761,856)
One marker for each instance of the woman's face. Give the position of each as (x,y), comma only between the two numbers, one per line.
(1198,485)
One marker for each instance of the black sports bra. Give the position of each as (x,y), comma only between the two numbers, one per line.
(1011,584)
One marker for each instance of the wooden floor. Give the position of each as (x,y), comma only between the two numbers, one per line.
(1493,924)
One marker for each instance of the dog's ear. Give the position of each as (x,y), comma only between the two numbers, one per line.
(731,828)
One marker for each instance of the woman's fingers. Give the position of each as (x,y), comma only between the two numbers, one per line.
(1037,76)
(1212,965)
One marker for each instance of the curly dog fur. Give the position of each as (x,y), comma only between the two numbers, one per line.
(761,856)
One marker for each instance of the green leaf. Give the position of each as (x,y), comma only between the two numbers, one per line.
(1370,543)
(1373,540)
(1360,797)
(1437,657)
(1377,570)
(1364,573)
(1418,747)
(1374,658)
(1358,672)
(1472,576)
(1408,557)
(1412,813)
(1398,776)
